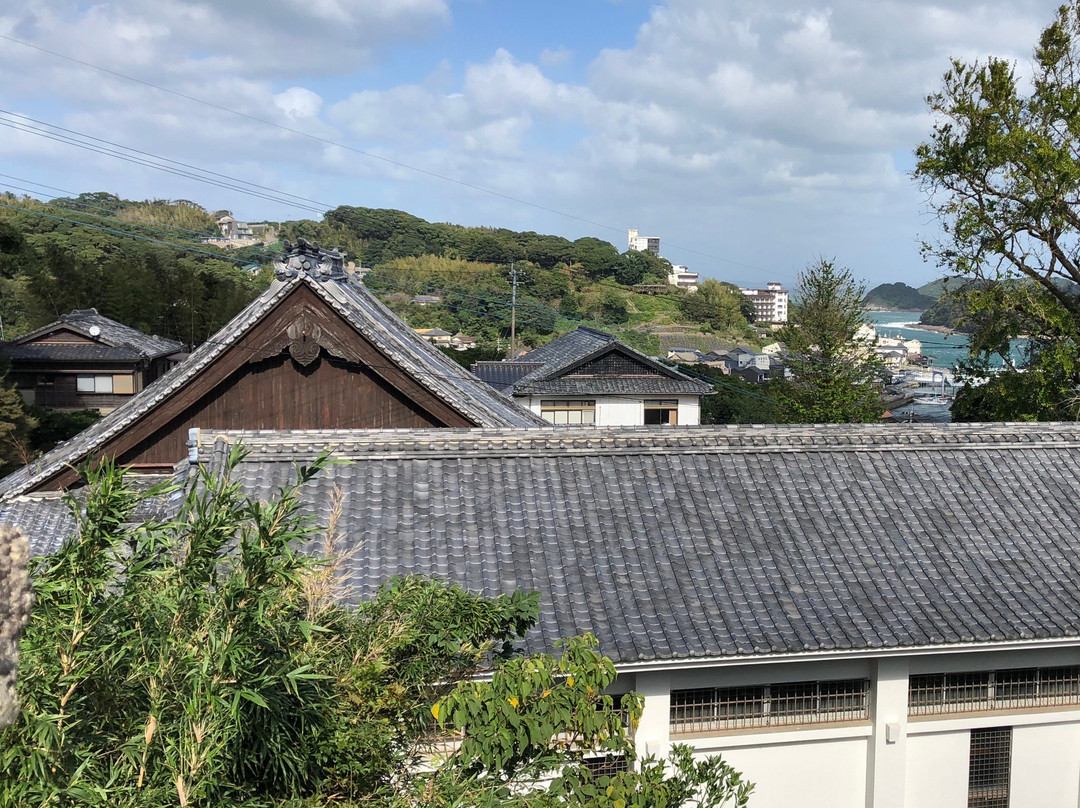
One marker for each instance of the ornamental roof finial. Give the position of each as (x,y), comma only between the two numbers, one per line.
(308,258)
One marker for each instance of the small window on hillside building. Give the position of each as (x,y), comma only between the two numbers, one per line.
(123,384)
(989,768)
(568,412)
(661,411)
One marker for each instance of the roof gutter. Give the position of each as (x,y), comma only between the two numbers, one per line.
(865,653)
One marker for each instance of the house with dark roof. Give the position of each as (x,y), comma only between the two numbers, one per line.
(590,377)
(86,361)
(850,614)
(315,350)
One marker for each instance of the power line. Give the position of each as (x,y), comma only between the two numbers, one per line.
(29,128)
(362,152)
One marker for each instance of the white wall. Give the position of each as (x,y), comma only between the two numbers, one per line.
(888,761)
(626,410)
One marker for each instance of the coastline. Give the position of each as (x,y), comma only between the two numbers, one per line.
(937,329)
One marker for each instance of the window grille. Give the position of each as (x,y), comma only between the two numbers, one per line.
(943,693)
(775,705)
(606,765)
(988,768)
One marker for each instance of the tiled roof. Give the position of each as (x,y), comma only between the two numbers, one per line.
(503,375)
(560,356)
(122,342)
(425,363)
(709,542)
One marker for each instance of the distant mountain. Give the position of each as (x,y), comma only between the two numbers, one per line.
(897,297)
(935,289)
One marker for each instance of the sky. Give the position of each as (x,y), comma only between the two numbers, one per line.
(752,137)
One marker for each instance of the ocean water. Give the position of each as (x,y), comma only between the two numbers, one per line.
(945,349)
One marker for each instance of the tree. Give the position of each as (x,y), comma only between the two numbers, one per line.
(1002,172)
(736,401)
(835,375)
(205,661)
(16,426)
(719,305)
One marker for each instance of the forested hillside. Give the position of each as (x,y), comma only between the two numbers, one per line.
(139,263)
(143,263)
(560,282)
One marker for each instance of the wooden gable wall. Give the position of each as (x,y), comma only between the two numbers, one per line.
(60,336)
(301,367)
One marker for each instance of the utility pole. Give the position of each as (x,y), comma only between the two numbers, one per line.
(513,308)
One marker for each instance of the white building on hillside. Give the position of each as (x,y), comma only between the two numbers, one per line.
(770,304)
(643,243)
(683,278)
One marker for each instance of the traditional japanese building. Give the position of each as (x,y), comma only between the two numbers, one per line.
(315,351)
(590,377)
(86,361)
(855,616)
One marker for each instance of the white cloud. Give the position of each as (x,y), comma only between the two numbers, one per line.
(553,57)
(761,132)
(298,103)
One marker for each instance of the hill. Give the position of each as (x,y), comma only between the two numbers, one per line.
(147,264)
(935,289)
(141,263)
(896,297)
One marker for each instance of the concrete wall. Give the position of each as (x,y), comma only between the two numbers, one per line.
(889,761)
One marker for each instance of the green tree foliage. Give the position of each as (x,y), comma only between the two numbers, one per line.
(205,661)
(635,265)
(1002,171)
(720,305)
(56,426)
(50,267)
(836,377)
(16,426)
(509,758)
(737,401)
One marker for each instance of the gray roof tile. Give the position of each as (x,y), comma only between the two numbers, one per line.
(560,356)
(701,542)
(126,342)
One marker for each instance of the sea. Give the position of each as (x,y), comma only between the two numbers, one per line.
(946,350)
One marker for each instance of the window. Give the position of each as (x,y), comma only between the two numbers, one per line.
(568,411)
(943,693)
(94,384)
(662,411)
(988,768)
(606,765)
(123,384)
(776,705)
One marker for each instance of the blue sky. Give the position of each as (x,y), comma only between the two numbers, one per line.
(751,137)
